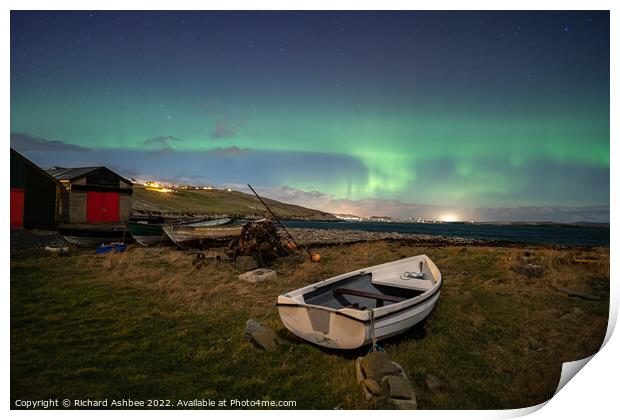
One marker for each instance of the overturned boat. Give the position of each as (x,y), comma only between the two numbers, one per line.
(347,311)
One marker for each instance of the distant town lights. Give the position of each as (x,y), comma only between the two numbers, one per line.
(449,217)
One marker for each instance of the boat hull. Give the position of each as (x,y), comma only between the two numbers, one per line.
(334,330)
(87,237)
(147,234)
(199,237)
(347,311)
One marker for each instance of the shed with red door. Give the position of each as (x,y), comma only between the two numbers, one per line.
(93,195)
(35,195)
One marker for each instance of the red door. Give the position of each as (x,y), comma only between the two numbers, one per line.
(102,207)
(17,208)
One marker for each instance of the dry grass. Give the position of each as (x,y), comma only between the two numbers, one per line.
(497,336)
(217,202)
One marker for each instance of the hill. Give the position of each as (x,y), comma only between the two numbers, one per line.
(217,202)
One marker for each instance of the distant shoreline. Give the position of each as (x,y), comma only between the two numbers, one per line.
(454,233)
(497,223)
(336,237)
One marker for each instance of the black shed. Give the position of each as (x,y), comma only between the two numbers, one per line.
(35,195)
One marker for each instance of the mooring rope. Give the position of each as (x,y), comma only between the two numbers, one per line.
(372,328)
(268,312)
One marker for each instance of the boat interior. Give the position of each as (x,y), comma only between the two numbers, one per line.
(358,292)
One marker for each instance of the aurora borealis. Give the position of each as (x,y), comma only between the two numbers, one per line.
(480,115)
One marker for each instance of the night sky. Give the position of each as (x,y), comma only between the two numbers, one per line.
(451,115)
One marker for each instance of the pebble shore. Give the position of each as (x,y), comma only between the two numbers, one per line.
(326,237)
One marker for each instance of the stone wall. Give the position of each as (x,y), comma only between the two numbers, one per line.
(124,204)
(77,206)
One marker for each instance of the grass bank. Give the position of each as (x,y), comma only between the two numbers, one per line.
(149,324)
(217,202)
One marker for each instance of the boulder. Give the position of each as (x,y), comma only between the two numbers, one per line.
(258,276)
(376,365)
(251,326)
(398,387)
(383,379)
(433,383)
(264,336)
(530,270)
(410,404)
(359,374)
(374,387)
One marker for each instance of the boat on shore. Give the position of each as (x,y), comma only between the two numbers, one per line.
(349,310)
(150,232)
(91,236)
(147,234)
(198,237)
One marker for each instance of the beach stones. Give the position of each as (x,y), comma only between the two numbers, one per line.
(376,365)
(264,336)
(398,387)
(384,380)
(374,387)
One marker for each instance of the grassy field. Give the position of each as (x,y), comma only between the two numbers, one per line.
(149,324)
(234,203)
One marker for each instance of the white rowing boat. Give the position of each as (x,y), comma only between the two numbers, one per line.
(339,312)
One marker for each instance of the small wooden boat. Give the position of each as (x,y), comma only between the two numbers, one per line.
(197,237)
(151,233)
(147,234)
(91,236)
(342,312)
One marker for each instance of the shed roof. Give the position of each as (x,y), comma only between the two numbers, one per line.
(35,166)
(70,174)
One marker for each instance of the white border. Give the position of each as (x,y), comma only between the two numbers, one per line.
(592,395)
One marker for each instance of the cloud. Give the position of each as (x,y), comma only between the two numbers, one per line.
(399,209)
(487,191)
(223,130)
(230,151)
(163,142)
(26,143)
(227,127)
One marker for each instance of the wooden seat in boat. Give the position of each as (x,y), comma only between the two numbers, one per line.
(380,298)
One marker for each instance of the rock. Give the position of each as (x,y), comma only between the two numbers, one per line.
(258,276)
(262,335)
(530,270)
(266,338)
(400,369)
(374,387)
(433,383)
(410,404)
(60,250)
(398,387)
(359,374)
(251,326)
(376,365)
